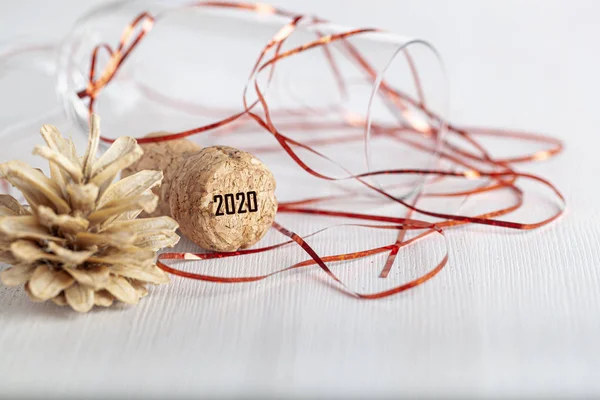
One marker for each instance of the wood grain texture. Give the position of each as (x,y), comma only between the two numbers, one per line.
(488,325)
(514,314)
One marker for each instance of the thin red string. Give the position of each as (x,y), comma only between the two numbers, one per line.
(468,158)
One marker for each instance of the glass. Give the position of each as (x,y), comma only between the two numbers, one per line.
(353,99)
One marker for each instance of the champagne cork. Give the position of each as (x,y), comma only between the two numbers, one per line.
(166,157)
(223,198)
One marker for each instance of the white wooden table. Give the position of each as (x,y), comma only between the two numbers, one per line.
(512,315)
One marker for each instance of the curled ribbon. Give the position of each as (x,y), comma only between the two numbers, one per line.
(469,160)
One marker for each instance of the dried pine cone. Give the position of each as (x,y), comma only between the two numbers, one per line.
(79,242)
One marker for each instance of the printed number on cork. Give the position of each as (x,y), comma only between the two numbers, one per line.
(246,202)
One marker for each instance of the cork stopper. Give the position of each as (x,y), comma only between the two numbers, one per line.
(223,198)
(166,157)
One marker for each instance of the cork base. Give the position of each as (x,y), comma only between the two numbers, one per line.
(165,157)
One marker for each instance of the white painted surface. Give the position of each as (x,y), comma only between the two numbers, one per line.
(512,315)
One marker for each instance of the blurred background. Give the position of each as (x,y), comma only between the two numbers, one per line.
(525,54)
